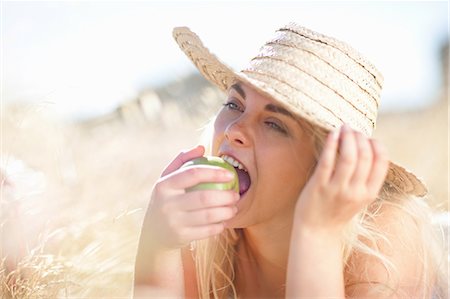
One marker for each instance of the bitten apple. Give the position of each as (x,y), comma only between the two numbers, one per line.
(214,161)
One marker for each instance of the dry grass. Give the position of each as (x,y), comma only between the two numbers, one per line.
(419,141)
(77,238)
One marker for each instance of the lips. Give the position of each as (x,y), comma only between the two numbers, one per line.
(243,175)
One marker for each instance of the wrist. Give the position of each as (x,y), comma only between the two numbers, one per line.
(318,225)
(331,235)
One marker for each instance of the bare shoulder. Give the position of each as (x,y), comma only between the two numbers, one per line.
(394,262)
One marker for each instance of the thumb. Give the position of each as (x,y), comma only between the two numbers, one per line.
(183,157)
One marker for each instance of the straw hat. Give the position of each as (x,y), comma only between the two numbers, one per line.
(319,78)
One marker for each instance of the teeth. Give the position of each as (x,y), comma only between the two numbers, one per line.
(233,162)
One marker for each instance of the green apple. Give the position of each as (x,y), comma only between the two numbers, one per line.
(214,161)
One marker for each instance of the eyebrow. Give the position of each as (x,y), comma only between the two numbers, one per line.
(239,90)
(278,109)
(269,107)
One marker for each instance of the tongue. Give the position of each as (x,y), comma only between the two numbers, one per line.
(244,181)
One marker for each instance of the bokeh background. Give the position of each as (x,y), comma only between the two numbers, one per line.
(96,98)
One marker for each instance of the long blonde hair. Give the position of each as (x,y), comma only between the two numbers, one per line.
(214,257)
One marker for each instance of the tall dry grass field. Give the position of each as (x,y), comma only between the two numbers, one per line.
(71,213)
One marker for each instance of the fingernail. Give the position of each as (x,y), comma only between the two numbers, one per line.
(198,147)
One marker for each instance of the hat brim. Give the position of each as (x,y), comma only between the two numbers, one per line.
(221,75)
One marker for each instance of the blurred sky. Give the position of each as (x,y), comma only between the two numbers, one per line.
(83,58)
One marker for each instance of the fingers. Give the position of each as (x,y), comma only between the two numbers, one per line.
(204,207)
(207,216)
(183,157)
(364,160)
(197,200)
(181,218)
(188,224)
(347,157)
(380,167)
(325,165)
(360,161)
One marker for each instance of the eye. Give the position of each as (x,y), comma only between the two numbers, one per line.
(278,127)
(232,105)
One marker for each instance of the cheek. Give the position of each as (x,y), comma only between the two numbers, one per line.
(219,124)
(219,127)
(288,168)
(289,176)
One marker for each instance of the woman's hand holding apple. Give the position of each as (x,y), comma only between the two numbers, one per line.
(189,203)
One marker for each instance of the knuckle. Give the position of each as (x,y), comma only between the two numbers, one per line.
(158,188)
(344,198)
(205,199)
(325,190)
(349,195)
(364,153)
(172,223)
(166,208)
(209,216)
(193,172)
(329,191)
(362,140)
(357,198)
(181,155)
(347,158)
(325,164)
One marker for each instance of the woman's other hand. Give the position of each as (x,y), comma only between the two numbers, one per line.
(348,176)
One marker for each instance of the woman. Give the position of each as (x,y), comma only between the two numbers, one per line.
(321,212)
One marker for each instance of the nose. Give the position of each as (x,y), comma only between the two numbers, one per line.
(237,133)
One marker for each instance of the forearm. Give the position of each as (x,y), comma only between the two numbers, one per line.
(157,269)
(315,267)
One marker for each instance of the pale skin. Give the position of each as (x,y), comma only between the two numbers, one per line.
(291,235)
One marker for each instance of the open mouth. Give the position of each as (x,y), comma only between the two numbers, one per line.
(243,176)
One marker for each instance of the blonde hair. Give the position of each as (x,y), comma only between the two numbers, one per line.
(214,257)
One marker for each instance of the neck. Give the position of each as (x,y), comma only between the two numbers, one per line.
(263,255)
(268,243)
